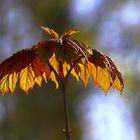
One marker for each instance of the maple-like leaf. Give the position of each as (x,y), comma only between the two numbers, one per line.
(55,59)
(26,66)
(106,73)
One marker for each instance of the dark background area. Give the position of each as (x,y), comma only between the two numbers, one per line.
(111,26)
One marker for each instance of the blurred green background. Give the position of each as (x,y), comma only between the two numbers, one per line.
(111,26)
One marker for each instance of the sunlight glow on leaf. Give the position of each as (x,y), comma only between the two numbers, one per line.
(55,59)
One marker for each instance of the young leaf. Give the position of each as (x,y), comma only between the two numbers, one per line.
(27,79)
(51,32)
(54,59)
(107,74)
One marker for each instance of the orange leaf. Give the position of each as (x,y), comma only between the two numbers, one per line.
(51,32)
(17,62)
(84,71)
(54,59)
(53,78)
(25,66)
(38,80)
(12,81)
(27,79)
(39,68)
(4,84)
(69,33)
(105,72)
(46,69)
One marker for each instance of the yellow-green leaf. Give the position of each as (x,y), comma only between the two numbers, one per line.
(12,81)
(84,72)
(4,85)
(38,80)
(53,78)
(26,79)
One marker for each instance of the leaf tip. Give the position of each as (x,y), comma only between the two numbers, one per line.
(51,32)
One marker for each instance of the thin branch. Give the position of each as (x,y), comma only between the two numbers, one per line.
(62,83)
(67,130)
(56,74)
(73,66)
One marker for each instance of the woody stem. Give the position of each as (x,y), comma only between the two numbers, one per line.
(67,130)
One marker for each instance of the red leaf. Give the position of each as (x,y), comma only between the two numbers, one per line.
(36,65)
(98,59)
(102,61)
(17,62)
(45,68)
(115,70)
(61,74)
(39,68)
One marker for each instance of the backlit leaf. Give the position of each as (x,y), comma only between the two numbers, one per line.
(44,77)
(102,79)
(54,63)
(4,84)
(69,33)
(39,68)
(38,80)
(84,72)
(54,59)
(17,62)
(53,78)
(45,49)
(51,32)
(27,79)
(105,73)
(12,81)
(66,68)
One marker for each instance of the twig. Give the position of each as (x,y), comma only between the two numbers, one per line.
(67,130)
